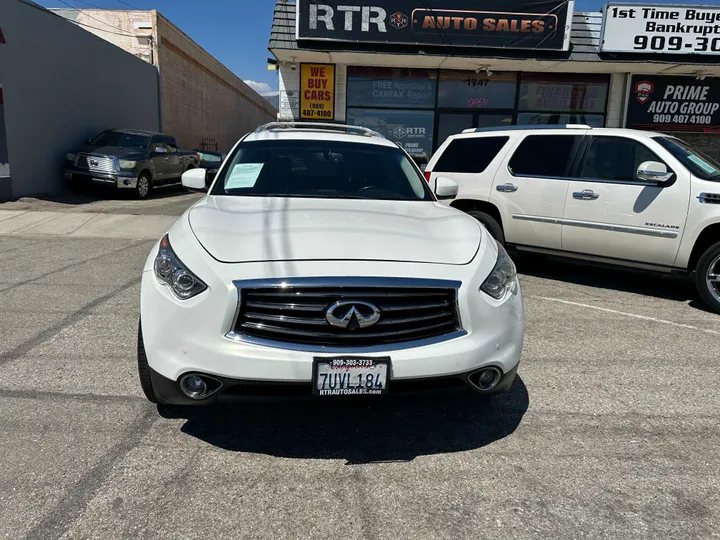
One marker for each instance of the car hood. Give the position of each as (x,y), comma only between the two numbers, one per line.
(116,151)
(255,229)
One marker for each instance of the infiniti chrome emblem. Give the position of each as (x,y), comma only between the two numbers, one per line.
(352,315)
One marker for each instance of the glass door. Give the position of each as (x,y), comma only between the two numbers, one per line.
(452,123)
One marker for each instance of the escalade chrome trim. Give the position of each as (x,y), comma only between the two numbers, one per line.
(600,226)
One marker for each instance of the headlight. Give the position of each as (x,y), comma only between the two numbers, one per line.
(168,269)
(126,164)
(70,156)
(503,277)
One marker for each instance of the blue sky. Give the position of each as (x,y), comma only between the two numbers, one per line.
(236,32)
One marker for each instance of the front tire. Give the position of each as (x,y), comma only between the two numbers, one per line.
(143,186)
(707,277)
(490,224)
(144,369)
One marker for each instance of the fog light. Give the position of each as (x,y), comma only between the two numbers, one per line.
(126,182)
(193,387)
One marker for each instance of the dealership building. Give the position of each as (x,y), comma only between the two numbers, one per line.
(418,71)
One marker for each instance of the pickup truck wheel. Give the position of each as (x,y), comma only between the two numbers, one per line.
(144,369)
(490,224)
(707,277)
(143,186)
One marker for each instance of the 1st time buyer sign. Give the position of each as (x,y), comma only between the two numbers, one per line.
(317,91)
(654,28)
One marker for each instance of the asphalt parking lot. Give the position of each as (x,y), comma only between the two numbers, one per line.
(610,431)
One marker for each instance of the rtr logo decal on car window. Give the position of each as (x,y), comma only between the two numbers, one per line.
(399,20)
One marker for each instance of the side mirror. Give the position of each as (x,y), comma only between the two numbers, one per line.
(194,179)
(653,171)
(446,188)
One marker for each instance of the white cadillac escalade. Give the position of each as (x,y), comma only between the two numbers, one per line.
(628,198)
(320,262)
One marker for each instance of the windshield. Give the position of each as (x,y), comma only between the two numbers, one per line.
(322,169)
(698,163)
(122,140)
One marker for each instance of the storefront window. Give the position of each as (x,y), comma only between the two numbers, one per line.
(528,118)
(470,90)
(413,130)
(541,92)
(385,87)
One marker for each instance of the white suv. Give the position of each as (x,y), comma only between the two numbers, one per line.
(630,198)
(321,263)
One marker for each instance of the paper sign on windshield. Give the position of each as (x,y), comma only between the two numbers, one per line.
(244,175)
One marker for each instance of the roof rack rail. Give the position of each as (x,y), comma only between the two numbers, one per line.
(528,127)
(319,126)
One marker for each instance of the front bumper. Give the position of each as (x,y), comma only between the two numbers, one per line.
(122,179)
(190,336)
(167,391)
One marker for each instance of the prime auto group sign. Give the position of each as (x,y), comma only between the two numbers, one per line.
(657,28)
(674,104)
(508,24)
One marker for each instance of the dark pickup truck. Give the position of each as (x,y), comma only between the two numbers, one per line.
(129,159)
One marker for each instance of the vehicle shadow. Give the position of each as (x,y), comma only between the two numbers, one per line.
(625,280)
(398,428)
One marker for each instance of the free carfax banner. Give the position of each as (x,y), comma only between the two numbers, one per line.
(674,104)
(659,29)
(507,24)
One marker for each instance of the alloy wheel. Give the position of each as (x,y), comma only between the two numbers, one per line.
(143,186)
(713,278)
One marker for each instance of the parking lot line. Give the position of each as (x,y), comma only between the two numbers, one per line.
(633,315)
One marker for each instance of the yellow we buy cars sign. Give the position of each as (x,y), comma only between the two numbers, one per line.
(317,91)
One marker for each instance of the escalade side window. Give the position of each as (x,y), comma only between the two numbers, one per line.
(545,155)
(615,158)
(471,155)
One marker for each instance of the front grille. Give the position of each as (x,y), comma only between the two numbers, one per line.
(98,164)
(297,314)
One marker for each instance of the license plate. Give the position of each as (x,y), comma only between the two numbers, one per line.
(350,376)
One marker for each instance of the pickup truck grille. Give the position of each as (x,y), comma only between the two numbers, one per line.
(98,164)
(298,314)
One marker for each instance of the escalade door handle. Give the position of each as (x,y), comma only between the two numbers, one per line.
(585,195)
(507,188)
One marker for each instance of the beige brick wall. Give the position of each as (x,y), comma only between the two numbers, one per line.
(200,96)
(616,100)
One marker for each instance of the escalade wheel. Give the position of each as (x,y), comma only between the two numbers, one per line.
(707,277)
(144,369)
(142,189)
(490,224)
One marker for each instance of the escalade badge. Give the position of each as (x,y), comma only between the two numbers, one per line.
(352,315)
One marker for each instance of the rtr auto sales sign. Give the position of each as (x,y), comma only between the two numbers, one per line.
(674,104)
(664,29)
(505,24)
